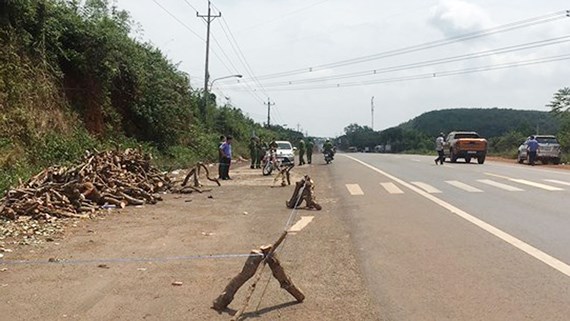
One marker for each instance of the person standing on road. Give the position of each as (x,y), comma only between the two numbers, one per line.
(220,154)
(310,147)
(261,148)
(226,149)
(532,150)
(439,148)
(301,152)
(273,144)
(253,151)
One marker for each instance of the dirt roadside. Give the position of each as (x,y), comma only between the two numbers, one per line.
(233,219)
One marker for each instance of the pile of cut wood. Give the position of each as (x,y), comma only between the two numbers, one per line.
(101,180)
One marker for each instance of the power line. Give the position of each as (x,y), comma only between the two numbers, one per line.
(283,16)
(178,20)
(191,6)
(240,54)
(192,31)
(237,71)
(253,94)
(378,71)
(428,45)
(241,58)
(435,74)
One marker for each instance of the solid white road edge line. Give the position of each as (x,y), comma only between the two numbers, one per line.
(521,245)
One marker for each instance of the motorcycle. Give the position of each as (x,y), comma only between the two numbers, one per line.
(329,156)
(269,162)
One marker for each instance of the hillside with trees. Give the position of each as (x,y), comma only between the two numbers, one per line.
(505,129)
(492,122)
(72,78)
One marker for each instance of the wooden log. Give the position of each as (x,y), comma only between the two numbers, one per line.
(284,280)
(131,200)
(208,174)
(268,251)
(295,200)
(192,171)
(114,201)
(248,271)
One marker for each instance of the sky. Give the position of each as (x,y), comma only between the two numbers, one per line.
(304,55)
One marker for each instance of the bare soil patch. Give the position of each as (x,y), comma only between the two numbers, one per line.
(152,263)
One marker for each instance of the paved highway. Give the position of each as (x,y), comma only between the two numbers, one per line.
(458,241)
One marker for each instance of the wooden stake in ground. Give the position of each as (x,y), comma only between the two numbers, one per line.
(250,269)
(284,174)
(306,187)
(195,174)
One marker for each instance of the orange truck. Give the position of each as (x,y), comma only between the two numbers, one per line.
(466,145)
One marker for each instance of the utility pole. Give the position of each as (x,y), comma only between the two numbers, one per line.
(208,18)
(298,127)
(269,104)
(372,111)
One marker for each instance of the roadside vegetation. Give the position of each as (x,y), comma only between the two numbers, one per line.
(72,79)
(504,129)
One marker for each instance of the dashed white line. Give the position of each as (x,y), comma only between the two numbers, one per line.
(538,185)
(465,187)
(521,245)
(529,183)
(500,185)
(555,181)
(304,221)
(392,188)
(354,189)
(426,187)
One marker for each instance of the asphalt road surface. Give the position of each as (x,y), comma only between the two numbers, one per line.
(458,241)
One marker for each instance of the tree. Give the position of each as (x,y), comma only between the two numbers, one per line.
(560,102)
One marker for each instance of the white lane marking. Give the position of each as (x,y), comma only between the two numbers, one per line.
(426,187)
(392,188)
(539,185)
(529,183)
(555,181)
(354,189)
(500,185)
(527,248)
(304,221)
(465,187)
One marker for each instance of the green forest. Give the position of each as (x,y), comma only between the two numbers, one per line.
(72,79)
(505,129)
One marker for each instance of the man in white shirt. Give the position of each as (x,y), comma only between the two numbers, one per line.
(439,148)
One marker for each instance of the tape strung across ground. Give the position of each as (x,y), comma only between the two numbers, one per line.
(125,260)
(142,259)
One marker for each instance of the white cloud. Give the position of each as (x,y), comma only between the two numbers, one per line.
(274,40)
(455,17)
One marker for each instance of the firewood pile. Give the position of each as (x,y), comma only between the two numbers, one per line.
(101,180)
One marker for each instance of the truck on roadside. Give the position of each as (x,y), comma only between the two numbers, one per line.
(466,145)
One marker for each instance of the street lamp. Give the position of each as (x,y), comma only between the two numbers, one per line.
(230,76)
(207,89)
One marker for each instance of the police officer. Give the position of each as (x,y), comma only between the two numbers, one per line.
(310,147)
(301,152)
(253,152)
